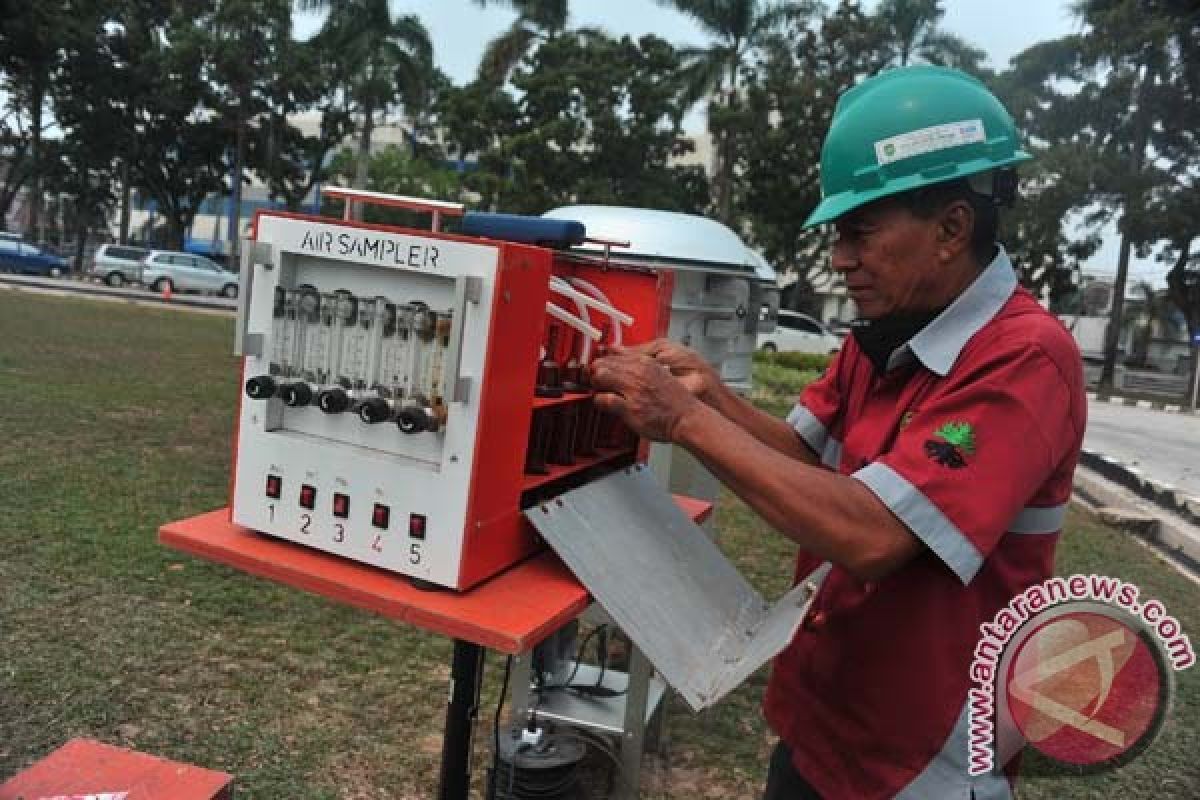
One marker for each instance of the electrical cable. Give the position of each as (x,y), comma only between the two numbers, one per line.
(602,646)
(585,689)
(578,660)
(598,744)
(496,720)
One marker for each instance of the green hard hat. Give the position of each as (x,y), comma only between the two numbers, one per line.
(907,128)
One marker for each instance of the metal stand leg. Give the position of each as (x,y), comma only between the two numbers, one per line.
(466,676)
(636,699)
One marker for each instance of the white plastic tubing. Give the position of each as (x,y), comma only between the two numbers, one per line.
(586,295)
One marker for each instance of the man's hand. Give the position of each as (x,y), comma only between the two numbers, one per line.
(696,374)
(642,392)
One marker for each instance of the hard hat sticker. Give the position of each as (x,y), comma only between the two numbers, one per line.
(928,140)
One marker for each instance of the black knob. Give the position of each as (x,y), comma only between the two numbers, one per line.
(414,419)
(260,387)
(333,401)
(296,394)
(374,409)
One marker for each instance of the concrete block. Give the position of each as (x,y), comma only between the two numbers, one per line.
(1192,506)
(1133,522)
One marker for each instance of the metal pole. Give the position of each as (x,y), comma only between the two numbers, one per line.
(466,676)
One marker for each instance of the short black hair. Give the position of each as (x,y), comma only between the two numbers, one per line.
(928,201)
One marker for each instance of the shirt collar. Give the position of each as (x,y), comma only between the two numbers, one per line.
(939,343)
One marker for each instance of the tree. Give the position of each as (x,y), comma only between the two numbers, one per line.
(1039,231)
(87,108)
(289,161)
(29,55)
(1118,96)
(739,27)
(247,37)
(600,120)
(537,20)
(382,59)
(790,96)
(911,34)
(178,146)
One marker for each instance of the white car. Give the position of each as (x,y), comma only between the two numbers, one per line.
(187,273)
(796,332)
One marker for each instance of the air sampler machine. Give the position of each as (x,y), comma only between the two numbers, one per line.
(407,394)
(417,401)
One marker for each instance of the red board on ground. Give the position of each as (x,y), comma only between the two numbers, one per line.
(510,612)
(83,768)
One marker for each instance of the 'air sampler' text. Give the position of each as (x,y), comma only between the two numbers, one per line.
(371,247)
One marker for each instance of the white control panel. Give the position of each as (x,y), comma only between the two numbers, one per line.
(364,354)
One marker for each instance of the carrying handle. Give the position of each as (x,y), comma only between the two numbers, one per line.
(436,207)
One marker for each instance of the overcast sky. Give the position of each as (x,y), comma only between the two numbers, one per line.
(1001,28)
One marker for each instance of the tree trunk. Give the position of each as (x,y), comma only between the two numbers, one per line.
(1131,200)
(1193,400)
(235,213)
(126,200)
(1112,336)
(37,95)
(364,157)
(724,154)
(82,227)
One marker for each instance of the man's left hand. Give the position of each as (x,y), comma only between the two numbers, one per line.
(643,393)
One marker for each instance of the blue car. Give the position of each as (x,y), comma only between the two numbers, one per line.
(22,257)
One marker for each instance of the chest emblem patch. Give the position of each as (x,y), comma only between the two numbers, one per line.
(951,443)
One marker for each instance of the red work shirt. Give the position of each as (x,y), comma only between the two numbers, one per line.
(971,439)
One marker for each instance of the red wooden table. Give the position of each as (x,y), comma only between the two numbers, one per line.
(83,768)
(510,612)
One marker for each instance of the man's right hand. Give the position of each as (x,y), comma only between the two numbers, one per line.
(696,374)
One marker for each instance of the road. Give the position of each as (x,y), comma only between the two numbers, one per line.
(1164,446)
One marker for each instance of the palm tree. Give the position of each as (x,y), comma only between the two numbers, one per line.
(536,19)
(738,28)
(911,33)
(383,59)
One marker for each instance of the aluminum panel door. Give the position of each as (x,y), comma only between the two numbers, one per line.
(667,585)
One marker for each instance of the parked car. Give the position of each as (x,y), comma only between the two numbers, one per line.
(118,264)
(188,273)
(18,256)
(796,332)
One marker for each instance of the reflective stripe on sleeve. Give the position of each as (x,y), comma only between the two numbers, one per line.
(923,518)
(1039,520)
(811,430)
(831,455)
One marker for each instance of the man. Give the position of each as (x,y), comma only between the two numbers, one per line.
(931,464)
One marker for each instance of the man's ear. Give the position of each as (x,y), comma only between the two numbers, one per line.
(956,224)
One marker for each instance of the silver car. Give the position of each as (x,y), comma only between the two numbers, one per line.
(187,273)
(118,264)
(796,332)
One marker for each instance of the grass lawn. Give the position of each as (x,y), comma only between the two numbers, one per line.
(117,418)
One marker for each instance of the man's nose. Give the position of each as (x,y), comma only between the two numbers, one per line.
(844,257)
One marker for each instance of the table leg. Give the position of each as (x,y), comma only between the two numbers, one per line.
(466,676)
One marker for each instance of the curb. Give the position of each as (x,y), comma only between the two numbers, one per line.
(85,287)
(1157,492)
(1121,508)
(1157,405)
